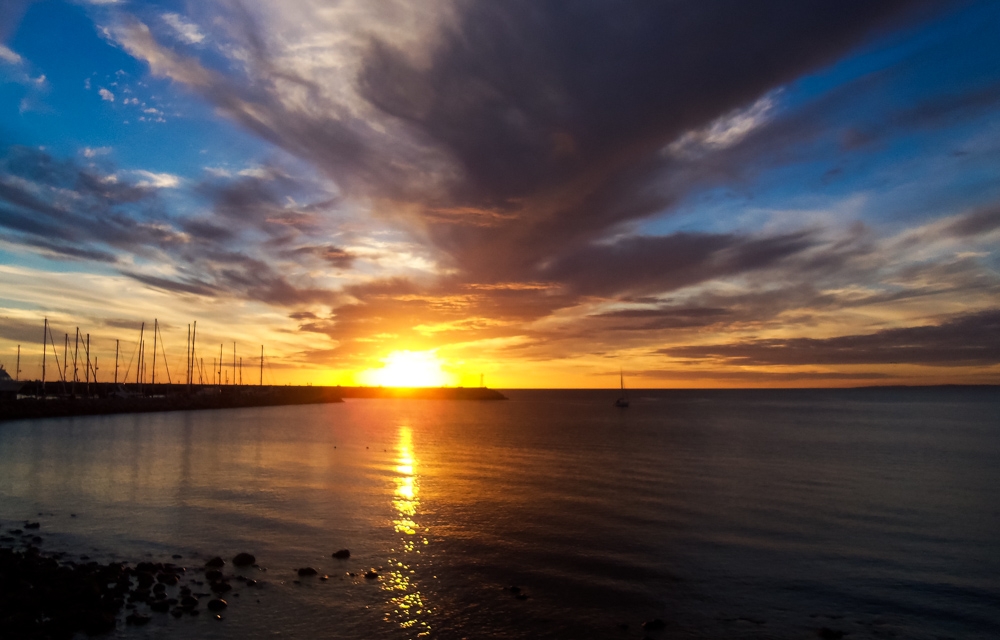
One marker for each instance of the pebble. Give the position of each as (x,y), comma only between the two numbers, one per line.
(307,571)
(654,625)
(217,604)
(342,554)
(244,560)
(216,562)
(137,619)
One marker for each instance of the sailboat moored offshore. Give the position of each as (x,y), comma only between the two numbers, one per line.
(622,400)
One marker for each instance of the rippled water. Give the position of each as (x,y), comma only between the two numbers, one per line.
(727,514)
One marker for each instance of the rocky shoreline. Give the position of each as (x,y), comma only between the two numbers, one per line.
(52,596)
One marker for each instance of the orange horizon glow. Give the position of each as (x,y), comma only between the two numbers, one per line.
(409,369)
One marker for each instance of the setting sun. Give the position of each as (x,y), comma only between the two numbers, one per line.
(408,369)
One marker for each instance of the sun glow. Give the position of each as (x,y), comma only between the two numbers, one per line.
(409,369)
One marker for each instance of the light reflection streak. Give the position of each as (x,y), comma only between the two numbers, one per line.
(406,604)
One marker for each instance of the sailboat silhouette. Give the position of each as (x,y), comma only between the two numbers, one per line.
(622,400)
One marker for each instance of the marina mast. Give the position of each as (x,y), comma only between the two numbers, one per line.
(45,350)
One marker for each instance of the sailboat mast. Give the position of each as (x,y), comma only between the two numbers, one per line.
(17,369)
(116,362)
(139,364)
(262,365)
(156,327)
(45,350)
(194,338)
(87,366)
(76,356)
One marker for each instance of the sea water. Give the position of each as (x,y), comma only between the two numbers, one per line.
(725,514)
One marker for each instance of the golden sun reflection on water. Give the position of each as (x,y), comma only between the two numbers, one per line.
(406,604)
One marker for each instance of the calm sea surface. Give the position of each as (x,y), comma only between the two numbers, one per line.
(727,514)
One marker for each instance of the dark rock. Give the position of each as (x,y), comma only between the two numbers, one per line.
(189,602)
(159,588)
(371,574)
(654,625)
(251,582)
(97,622)
(195,612)
(221,587)
(217,604)
(827,633)
(160,606)
(177,556)
(324,578)
(31,525)
(244,560)
(343,554)
(177,612)
(307,571)
(36,539)
(216,563)
(137,619)
(213,574)
(514,589)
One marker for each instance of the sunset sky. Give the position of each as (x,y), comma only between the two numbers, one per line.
(702,194)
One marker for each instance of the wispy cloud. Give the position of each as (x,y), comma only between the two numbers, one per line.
(186,31)
(9,56)
(156,180)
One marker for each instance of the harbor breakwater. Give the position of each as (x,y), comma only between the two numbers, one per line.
(106,398)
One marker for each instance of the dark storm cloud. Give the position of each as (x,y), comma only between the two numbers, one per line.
(972,339)
(665,263)
(657,318)
(332,255)
(975,223)
(757,376)
(20,331)
(555,112)
(75,211)
(536,126)
(62,207)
